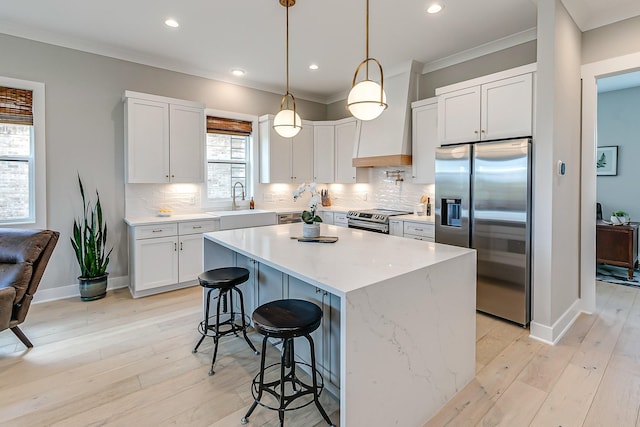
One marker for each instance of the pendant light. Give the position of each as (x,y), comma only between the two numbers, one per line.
(287,122)
(367,99)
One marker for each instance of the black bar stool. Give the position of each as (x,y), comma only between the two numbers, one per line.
(287,319)
(225,281)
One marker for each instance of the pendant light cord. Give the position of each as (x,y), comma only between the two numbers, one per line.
(367,43)
(287,56)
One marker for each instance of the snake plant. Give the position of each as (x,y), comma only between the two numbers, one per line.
(90,237)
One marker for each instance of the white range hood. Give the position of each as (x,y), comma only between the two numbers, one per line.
(386,140)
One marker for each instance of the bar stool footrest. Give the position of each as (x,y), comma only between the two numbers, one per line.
(272,387)
(227,326)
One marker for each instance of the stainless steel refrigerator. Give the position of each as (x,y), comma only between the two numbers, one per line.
(483,201)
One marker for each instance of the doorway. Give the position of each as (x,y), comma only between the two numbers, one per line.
(617,176)
(591,73)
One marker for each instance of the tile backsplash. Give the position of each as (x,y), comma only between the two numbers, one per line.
(383,190)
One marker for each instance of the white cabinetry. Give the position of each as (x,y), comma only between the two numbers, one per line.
(419,230)
(285,160)
(396,227)
(165,256)
(327,217)
(345,137)
(164,139)
(491,107)
(323,152)
(424,140)
(340,219)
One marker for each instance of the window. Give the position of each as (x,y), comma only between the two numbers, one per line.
(227,157)
(16,172)
(22,153)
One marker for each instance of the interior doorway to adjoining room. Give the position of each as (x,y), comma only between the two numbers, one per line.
(591,74)
(617,172)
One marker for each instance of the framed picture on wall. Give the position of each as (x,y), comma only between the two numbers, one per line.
(607,160)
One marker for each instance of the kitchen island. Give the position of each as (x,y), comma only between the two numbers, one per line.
(406,308)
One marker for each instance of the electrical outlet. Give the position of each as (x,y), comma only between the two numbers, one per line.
(364,196)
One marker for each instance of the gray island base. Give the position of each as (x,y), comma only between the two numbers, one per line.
(398,334)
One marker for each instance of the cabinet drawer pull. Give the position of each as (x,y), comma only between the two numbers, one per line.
(157,231)
(418,229)
(195,227)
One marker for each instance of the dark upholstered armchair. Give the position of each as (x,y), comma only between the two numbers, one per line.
(24,255)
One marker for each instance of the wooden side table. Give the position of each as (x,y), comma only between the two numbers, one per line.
(617,245)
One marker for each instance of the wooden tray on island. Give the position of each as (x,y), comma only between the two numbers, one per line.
(319,239)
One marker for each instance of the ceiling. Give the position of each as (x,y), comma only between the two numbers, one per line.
(217,36)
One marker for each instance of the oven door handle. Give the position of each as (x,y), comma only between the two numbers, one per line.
(368,225)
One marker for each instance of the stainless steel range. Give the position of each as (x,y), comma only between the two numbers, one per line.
(373,219)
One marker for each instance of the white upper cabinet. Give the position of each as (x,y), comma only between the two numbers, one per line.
(345,136)
(302,155)
(285,160)
(323,153)
(507,108)
(164,139)
(460,116)
(424,140)
(187,143)
(491,107)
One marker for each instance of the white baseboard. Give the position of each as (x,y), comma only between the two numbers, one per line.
(552,334)
(70,291)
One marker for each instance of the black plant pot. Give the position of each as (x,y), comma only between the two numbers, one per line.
(93,288)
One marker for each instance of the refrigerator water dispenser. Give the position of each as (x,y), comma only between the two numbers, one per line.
(451,212)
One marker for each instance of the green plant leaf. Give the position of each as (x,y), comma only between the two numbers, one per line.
(90,238)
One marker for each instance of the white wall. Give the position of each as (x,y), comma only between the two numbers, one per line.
(556,198)
(85,131)
(610,41)
(618,124)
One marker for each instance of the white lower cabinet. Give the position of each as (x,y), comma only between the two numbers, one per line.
(396,227)
(165,256)
(340,219)
(155,264)
(327,217)
(419,230)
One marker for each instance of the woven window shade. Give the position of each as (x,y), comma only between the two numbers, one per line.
(228,126)
(16,106)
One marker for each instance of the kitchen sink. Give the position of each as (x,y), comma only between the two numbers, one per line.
(244,218)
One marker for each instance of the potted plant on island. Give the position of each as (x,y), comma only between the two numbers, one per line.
(89,241)
(311,226)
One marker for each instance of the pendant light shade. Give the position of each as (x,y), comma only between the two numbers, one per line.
(367,99)
(287,122)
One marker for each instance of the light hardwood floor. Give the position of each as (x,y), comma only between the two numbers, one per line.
(126,362)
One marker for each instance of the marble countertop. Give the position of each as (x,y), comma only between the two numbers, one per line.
(358,259)
(417,218)
(149,220)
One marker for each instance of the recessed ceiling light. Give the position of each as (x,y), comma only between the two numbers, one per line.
(434,8)
(313,67)
(238,72)
(171,23)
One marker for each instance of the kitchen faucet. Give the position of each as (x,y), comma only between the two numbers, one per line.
(234,206)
